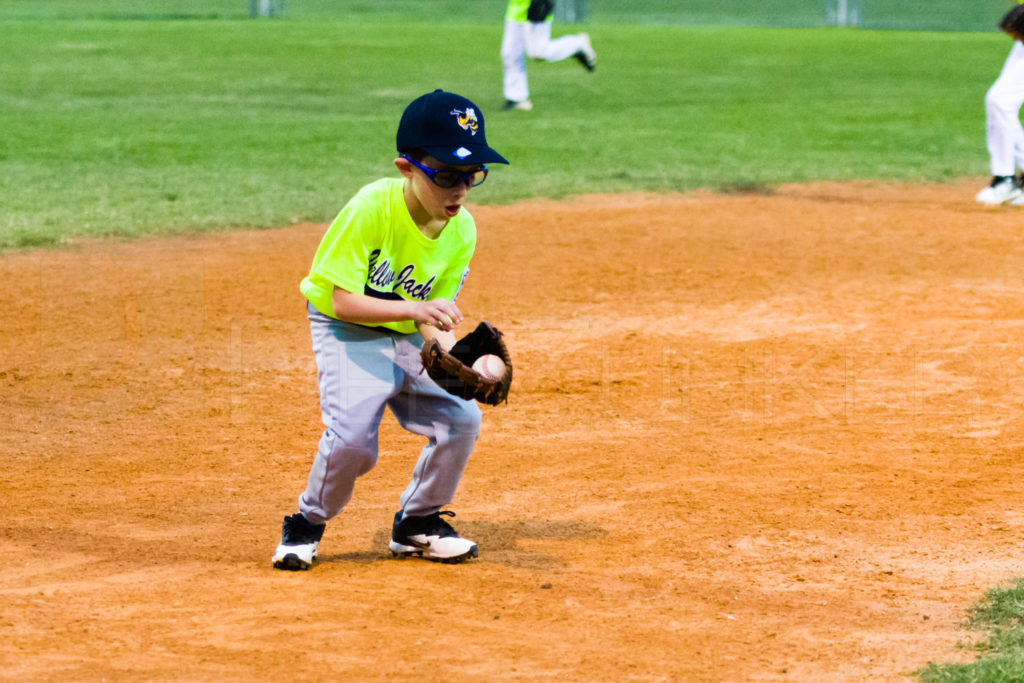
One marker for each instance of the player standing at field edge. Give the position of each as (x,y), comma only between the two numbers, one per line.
(1004,135)
(528,34)
(385,278)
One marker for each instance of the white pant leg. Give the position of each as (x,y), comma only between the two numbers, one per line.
(513,60)
(356,375)
(360,371)
(539,44)
(451,425)
(1003,132)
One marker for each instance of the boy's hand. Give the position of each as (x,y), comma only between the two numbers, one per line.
(439,313)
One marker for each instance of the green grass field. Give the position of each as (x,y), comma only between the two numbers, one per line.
(114,127)
(126,118)
(979,15)
(1000,615)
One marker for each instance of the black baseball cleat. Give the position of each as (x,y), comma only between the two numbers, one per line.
(588,64)
(299,540)
(431,538)
(586,56)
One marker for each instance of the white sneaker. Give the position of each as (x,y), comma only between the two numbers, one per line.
(521,105)
(299,541)
(431,538)
(999,192)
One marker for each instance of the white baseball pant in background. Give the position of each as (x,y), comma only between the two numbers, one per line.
(1003,132)
(531,40)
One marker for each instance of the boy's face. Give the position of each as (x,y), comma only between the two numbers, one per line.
(426,199)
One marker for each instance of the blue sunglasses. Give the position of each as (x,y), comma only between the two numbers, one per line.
(448,178)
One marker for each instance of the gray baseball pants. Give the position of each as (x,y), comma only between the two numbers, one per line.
(360,371)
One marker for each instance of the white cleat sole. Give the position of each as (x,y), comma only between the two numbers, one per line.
(294,558)
(399,550)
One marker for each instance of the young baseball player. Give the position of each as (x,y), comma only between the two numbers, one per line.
(385,278)
(1004,135)
(528,34)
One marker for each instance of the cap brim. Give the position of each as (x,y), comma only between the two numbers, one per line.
(458,156)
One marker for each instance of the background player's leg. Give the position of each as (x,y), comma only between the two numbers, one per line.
(1003,132)
(513,47)
(539,44)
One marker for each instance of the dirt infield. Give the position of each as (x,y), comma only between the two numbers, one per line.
(752,437)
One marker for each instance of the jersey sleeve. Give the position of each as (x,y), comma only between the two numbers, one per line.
(343,258)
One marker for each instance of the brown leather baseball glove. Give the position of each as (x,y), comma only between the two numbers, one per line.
(1013,22)
(453,370)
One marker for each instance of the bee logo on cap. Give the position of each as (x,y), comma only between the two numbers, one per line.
(467,119)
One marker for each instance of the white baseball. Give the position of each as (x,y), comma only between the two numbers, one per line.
(490,366)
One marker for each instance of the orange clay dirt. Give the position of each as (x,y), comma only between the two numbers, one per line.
(751,437)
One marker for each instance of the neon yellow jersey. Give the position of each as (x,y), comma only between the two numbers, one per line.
(517,10)
(373,247)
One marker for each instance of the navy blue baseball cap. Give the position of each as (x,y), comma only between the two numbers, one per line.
(448,127)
